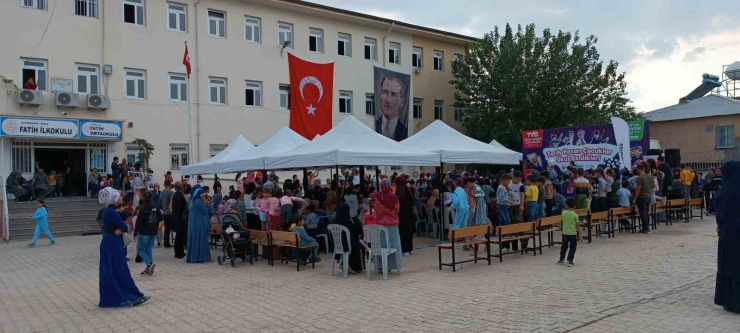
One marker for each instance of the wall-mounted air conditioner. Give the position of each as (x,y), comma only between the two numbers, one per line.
(67,100)
(31,97)
(98,102)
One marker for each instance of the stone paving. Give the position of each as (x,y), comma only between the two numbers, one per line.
(662,282)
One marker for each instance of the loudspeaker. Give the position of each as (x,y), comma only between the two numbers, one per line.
(657,152)
(673,157)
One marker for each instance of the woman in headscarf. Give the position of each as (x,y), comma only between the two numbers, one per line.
(481,217)
(406,220)
(727,208)
(179,209)
(116,286)
(459,205)
(200,212)
(14,186)
(386,214)
(355,234)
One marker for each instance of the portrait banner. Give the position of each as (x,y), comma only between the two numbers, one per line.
(392,96)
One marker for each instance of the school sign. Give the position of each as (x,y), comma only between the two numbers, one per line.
(60,128)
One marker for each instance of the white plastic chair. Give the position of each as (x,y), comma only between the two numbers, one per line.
(326,241)
(336,232)
(431,215)
(378,250)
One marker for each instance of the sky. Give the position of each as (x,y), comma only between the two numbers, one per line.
(663,46)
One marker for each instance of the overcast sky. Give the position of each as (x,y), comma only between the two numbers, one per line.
(664,46)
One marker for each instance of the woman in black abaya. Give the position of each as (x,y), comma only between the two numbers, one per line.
(727,207)
(355,234)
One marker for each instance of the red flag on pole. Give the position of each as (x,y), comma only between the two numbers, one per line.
(311,96)
(186,59)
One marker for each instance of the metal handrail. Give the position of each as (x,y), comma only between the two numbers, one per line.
(6,217)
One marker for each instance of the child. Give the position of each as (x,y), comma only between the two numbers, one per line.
(286,207)
(306,240)
(625,197)
(516,197)
(581,185)
(531,196)
(51,179)
(567,189)
(571,232)
(502,202)
(558,202)
(541,211)
(42,224)
(147,222)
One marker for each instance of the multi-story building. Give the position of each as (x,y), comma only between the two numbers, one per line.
(122,62)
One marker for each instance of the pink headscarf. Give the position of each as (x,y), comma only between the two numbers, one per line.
(386,196)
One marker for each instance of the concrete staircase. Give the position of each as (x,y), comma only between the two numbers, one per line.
(67,217)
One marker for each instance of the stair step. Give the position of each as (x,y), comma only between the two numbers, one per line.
(69,216)
(57,234)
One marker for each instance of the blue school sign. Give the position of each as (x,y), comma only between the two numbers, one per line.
(96,129)
(59,128)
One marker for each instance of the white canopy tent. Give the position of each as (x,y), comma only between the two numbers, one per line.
(285,139)
(498,145)
(237,146)
(350,143)
(455,147)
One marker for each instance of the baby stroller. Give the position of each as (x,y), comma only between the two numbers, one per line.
(237,243)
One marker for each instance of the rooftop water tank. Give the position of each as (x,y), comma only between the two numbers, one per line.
(733,71)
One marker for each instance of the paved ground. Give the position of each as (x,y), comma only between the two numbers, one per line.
(662,282)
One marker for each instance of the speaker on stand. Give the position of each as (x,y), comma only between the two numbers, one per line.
(673,157)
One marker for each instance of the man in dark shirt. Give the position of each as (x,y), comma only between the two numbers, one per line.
(667,176)
(643,194)
(116,172)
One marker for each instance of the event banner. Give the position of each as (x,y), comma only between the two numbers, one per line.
(587,147)
(392,91)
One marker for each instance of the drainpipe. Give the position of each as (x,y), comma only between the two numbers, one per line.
(197,89)
(385,52)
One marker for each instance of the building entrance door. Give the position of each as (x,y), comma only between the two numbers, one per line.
(61,161)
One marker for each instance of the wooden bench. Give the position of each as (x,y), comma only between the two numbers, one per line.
(477,231)
(623,213)
(656,209)
(290,240)
(262,238)
(674,207)
(513,232)
(695,204)
(547,225)
(594,221)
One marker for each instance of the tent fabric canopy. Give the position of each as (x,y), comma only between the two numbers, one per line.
(497,144)
(350,143)
(455,147)
(283,140)
(235,147)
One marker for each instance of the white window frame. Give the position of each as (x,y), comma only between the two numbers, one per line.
(318,35)
(344,44)
(372,44)
(220,85)
(394,53)
(458,113)
(180,81)
(417,108)
(220,22)
(135,75)
(723,139)
(135,3)
(370,104)
(345,98)
(284,96)
(35,4)
(216,148)
(181,152)
(87,8)
(285,33)
(457,57)
(28,63)
(439,108)
(181,16)
(416,52)
(256,87)
(439,57)
(255,25)
(89,73)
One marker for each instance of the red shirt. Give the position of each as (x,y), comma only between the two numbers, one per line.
(29,86)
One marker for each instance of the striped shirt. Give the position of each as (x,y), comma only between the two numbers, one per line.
(581,185)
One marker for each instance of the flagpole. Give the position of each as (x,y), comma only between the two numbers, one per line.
(190,125)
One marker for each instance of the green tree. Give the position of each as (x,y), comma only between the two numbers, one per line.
(506,84)
(146,150)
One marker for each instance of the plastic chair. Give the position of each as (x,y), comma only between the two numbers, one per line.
(378,250)
(336,232)
(419,220)
(431,215)
(326,241)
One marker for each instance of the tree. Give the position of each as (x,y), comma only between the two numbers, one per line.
(146,150)
(506,84)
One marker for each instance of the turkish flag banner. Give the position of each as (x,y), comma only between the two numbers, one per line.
(311,96)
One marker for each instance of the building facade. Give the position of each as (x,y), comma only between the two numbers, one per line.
(130,53)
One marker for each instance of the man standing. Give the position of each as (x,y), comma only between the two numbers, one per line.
(115,169)
(643,189)
(392,102)
(164,203)
(125,168)
(667,176)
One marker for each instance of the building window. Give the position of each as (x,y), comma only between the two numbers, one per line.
(284,96)
(177,17)
(133,11)
(253,91)
(217,86)
(215,148)
(36,4)
(458,113)
(370,45)
(87,79)
(178,87)
(35,69)
(178,155)
(345,102)
(344,45)
(457,57)
(132,153)
(285,34)
(135,83)
(98,156)
(21,155)
(216,24)
(417,108)
(416,57)
(252,27)
(316,40)
(370,104)
(394,53)
(438,109)
(438,60)
(725,136)
(87,8)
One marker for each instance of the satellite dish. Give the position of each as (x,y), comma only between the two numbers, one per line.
(733,71)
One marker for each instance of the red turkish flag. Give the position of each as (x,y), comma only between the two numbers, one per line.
(311,96)
(186,59)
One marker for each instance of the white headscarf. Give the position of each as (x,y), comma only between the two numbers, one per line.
(109,196)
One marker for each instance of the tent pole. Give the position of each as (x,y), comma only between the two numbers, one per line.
(339,193)
(442,215)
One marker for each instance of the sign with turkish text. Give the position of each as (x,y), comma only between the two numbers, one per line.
(95,129)
(39,127)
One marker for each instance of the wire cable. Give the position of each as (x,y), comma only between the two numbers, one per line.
(53,10)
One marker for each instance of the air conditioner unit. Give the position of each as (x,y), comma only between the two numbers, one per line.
(31,97)
(99,102)
(67,100)
(417,70)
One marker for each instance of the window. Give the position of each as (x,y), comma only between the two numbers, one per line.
(416,57)
(344,45)
(217,86)
(216,24)
(87,79)
(370,104)
(253,91)
(21,155)
(438,109)
(215,148)
(135,84)
(725,136)
(87,8)
(457,57)
(178,155)
(284,96)
(438,59)
(133,11)
(316,40)
(177,17)
(417,108)
(178,87)
(285,34)
(370,44)
(252,29)
(132,153)
(37,4)
(34,69)
(458,113)
(394,52)
(98,156)
(345,102)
